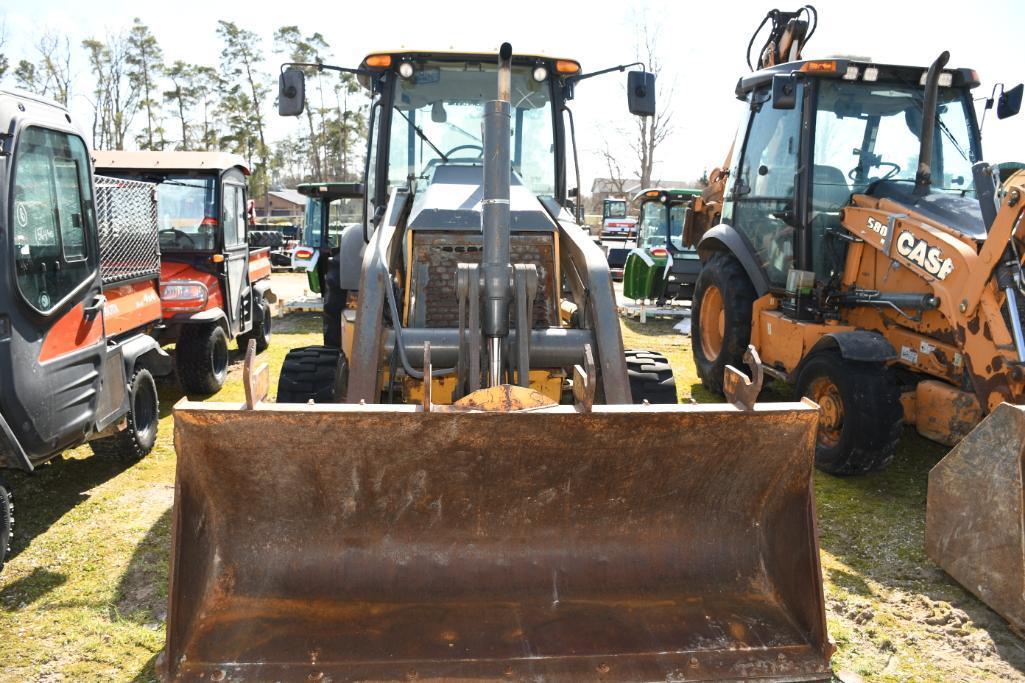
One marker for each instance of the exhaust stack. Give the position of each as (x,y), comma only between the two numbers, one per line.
(496,268)
(923,179)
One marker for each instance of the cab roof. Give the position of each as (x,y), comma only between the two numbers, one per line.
(457,55)
(167,161)
(670,193)
(853,69)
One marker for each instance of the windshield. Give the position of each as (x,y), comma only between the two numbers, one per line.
(615,209)
(438,117)
(187,213)
(871,131)
(652,225)
(341,214)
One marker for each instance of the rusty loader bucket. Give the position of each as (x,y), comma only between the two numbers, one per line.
(975,522)
(369,542)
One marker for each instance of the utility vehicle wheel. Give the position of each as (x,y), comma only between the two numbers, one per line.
(201,355)
(6,521)
(311,373)
(651,377)
(136,440)
(261,331)
(860,414)
(720,318)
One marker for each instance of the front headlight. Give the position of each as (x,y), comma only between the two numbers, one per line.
(184,295)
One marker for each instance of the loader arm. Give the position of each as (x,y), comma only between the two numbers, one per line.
(962,279)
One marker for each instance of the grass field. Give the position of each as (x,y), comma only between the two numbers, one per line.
(84,596)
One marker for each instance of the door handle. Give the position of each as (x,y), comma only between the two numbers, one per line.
(96,305)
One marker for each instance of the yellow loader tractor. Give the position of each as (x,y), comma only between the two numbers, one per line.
(872,258)
(489,501)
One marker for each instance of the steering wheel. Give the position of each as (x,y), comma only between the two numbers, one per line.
(461,147)
(894,169)
(178,234)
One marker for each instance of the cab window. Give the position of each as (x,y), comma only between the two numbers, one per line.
(51,216)
(677,219)
(652,230)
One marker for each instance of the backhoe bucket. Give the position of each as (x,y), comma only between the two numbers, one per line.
(975,522)
(370,542)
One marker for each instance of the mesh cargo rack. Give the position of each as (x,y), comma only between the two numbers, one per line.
(126,218)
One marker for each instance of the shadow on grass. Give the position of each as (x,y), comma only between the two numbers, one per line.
(44,496)
(30,588)
(141,594)
(148,674)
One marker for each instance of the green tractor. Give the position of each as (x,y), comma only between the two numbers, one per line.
(661,268)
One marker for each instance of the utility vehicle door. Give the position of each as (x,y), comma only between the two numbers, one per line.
(236,254)
(51,330)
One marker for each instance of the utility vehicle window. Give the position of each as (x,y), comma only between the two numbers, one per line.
(677,219)
(230,213)
(652,230)
(438,118)
(50,215)
(764,187)
(341,214)
(615,209)
(187,210)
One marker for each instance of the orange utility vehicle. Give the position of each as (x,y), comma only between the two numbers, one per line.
(214,288)
(79,298)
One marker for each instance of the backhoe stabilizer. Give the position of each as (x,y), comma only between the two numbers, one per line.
(975,518)
(372,542)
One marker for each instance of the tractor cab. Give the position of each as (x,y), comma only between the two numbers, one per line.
(330,209)
(213,287)
(614,219)
(821,132)
(662,268)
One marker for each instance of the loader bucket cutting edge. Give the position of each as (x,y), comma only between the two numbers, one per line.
(341,542)
(975,517)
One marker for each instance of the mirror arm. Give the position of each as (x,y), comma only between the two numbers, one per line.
(320,66)
(572,81)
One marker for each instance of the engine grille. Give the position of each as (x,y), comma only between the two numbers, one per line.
(435,262)
(126,219)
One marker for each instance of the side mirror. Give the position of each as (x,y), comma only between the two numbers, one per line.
(640,93)
(1009,103)
(784,91)
(291,92)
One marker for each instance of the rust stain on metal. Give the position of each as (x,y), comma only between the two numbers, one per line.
(490,545)
(975,522)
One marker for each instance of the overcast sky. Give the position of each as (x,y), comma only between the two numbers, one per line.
(702,47)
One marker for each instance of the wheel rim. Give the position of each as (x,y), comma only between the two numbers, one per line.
(713,322)
(219,357)
(824,392)
(144,413)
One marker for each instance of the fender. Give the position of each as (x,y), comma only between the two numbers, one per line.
(350,257)
(143,350)
(261,289)
(210,315)
(857,345)
(724,237)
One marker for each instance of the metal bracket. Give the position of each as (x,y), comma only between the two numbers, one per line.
(739,389)
(525,286)
(585,380)
(255,378)
(428,381)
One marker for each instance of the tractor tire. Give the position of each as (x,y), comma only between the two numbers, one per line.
(135,441)
(201,356)
(720,318)
(860,417)
(261,331)
(651,377)
(6,521)
(312,373)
